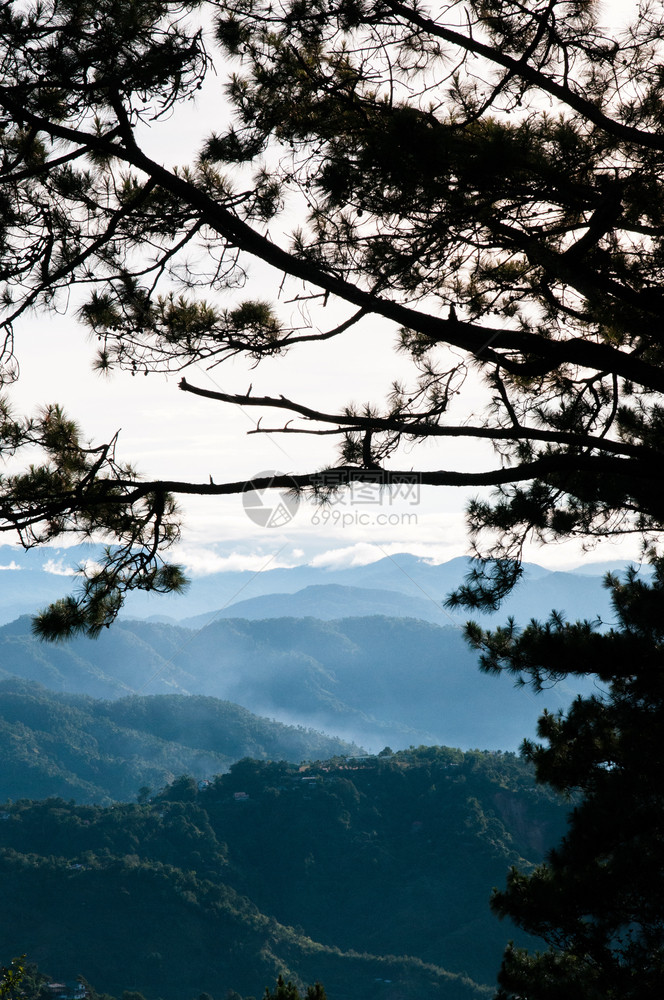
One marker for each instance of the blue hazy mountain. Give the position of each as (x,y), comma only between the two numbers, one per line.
(303,646)
(376,680)
(575,596)
(328,602)
(539,592)
(41,578)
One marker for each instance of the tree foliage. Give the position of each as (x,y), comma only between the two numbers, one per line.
(484,178)
(597,900)
(289,991)
(11,977)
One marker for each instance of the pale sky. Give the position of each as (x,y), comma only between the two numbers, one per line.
(170,434)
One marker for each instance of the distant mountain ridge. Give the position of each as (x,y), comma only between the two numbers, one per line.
(328,602)
(576,597)
(25,590)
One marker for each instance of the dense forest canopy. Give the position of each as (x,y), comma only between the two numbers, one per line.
(352,871)
(483,179)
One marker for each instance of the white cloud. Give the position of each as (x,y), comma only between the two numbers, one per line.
(204,562)
(363,553)
(57,568)
(88,566)
(360,554)
(12,565)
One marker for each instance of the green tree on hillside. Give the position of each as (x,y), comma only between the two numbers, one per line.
(288,991)
(11,977)
(598,901)
(483,180)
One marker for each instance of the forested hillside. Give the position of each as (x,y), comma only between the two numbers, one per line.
(374,681)
(78,747)
(325,873)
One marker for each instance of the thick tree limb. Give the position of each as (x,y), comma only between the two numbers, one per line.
(343,475)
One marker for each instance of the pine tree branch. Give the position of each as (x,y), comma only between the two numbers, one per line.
(520,68)
(542,355)
(417,425)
